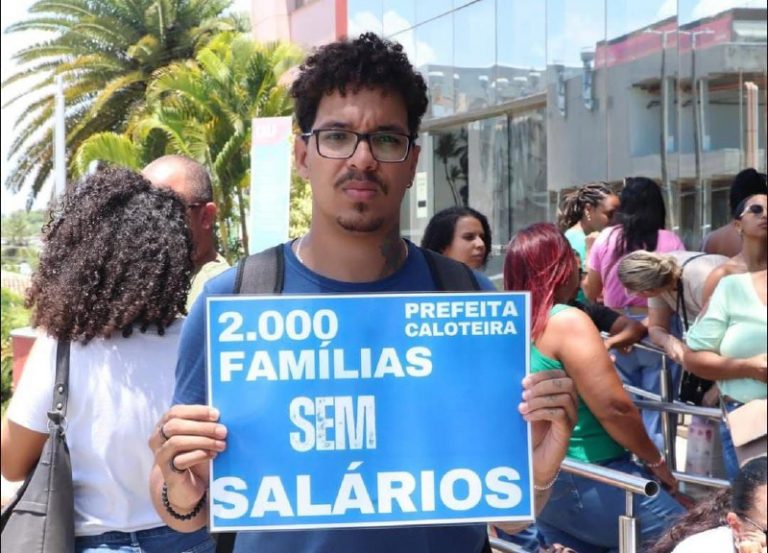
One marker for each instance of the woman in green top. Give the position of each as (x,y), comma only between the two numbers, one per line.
(581,513)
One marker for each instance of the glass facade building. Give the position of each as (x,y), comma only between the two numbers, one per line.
(529,99)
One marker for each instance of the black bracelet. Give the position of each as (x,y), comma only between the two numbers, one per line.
(179,516)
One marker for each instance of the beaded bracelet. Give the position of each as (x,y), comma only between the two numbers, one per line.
(177,515)
(551,483)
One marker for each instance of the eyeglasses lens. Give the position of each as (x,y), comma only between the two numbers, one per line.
(341,144)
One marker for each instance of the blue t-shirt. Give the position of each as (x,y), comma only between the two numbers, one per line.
(413,276)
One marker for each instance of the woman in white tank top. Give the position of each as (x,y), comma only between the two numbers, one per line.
(112,280)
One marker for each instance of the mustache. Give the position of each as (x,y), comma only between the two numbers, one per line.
(362,176)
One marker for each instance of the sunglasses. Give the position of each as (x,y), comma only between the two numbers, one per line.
(754,209)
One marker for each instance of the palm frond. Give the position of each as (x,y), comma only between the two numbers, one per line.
(110,147)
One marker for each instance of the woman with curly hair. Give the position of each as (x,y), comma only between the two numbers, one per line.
(113,279)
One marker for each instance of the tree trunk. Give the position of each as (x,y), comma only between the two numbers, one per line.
(243,221)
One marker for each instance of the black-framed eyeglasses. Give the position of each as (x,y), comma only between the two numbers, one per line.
(193,205)
(754,209)
(386,146)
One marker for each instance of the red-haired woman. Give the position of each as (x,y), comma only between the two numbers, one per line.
(582,514)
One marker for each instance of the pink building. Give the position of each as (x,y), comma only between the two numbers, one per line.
(309,23)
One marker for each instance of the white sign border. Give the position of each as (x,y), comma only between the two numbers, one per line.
(212,527)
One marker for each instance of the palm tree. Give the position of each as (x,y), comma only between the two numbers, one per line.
(106,51)
(203,109)
(451,149)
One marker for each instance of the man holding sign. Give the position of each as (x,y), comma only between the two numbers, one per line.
(359,105)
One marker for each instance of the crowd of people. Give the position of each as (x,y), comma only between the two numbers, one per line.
(122,249)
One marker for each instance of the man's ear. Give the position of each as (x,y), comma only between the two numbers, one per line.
(300,156)
(208,215)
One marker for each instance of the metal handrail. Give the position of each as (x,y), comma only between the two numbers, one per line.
(612,477)
(628,529)
(666,405)
(680,408)
(653,401)
(504,546)
(642,393)
(647,345)
(706,481)
(665,385)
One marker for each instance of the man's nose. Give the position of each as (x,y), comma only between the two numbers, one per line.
(362,158)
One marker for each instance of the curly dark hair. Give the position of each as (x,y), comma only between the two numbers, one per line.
(349,66)
(442,226)
(116,253)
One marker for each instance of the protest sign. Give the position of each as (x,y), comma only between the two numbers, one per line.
(369,410)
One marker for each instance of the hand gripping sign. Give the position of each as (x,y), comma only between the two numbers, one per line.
(369,410)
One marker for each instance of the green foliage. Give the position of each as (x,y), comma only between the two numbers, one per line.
(105,51)
(203,109)
(20,233)
(301,206)
(14,315)
(16,229)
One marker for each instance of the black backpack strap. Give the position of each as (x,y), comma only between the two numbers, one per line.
(680,308)
(60,385)
(450,275)
(261,273)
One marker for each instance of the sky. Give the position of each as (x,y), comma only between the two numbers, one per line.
(12,12)
(575,26)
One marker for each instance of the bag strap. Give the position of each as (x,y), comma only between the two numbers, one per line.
(264,273)
(261,273)
(61,384)
(450,275)
(680,303)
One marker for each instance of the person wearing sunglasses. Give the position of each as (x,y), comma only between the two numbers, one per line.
(725,240)
(749,221)
(732,521)
(729,337)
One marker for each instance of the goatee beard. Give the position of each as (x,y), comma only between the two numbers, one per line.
(360,223)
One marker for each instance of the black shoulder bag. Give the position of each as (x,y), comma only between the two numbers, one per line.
(41,516)
(692,387)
